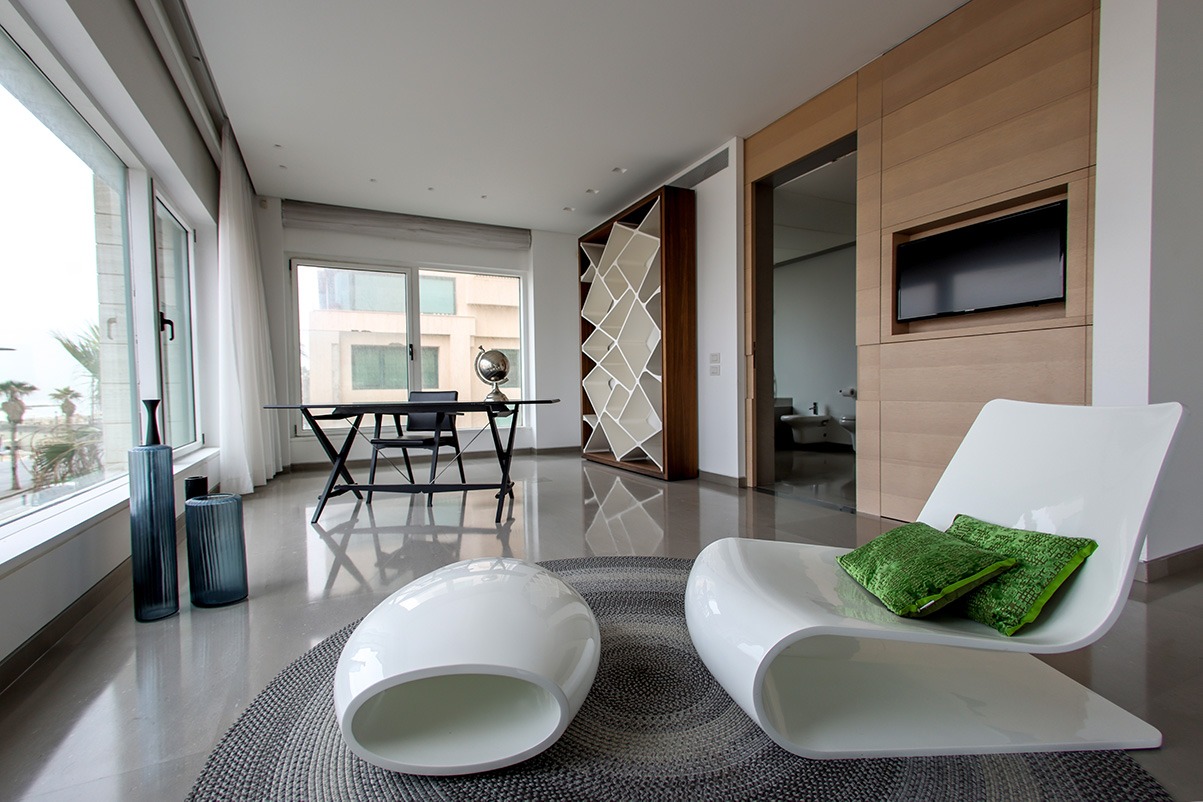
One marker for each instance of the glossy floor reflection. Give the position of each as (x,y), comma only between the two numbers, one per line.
(822,477)
(126,711)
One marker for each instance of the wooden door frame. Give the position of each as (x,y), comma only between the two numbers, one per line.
(759,292)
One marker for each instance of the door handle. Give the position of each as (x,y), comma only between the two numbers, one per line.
(166,322)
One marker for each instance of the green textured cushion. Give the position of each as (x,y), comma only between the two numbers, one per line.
(1043,562)
(915,570)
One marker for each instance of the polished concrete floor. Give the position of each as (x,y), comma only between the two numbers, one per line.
(821,477)
(127,711)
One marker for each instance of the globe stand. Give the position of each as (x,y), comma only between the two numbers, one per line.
(492,367)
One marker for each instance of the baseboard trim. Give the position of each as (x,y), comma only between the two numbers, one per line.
(96,602)
(85,612)
(1161,567)
(720,479)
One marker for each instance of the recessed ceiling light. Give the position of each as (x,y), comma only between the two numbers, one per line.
(569,209)
(371,180)
(277,145)
(592,191)
(430,189)
(283,166)
(482,197)
(619,170)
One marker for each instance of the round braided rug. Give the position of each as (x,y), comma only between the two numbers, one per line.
(655,726)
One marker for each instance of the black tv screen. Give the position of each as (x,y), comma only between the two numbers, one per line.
(1015,260)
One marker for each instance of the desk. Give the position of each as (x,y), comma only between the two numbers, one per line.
(317,414)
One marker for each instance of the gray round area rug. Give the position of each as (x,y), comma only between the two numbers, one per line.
(655,726)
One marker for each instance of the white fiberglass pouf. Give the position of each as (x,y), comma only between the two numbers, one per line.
(475,666)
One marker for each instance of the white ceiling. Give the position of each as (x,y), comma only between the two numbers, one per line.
(425,106)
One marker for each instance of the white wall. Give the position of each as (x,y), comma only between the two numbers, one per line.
(814,334)
(556,354)
(1147,274)
(549,270)
(720,316)
(1176,322)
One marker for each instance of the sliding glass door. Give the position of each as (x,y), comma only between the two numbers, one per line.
(373,334)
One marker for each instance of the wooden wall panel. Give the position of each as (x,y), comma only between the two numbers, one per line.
(868,429)
(1049,141)
(971,37)
(1051,68)
(988,109)
(815,124)
(931,391)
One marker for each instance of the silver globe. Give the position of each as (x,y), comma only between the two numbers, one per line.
(493,367)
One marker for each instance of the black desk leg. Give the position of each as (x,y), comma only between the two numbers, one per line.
(339,469)
(505,456)
(328,447)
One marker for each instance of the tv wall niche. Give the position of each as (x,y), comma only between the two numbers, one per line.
(1017,259)
(639,338)
(1033,245)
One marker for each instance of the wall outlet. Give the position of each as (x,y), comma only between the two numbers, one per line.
(716,358)
(715,370)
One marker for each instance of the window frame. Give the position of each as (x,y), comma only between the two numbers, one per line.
(30,534)
(413,306)
(194,371)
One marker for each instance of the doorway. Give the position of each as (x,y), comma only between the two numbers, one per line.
(806,329)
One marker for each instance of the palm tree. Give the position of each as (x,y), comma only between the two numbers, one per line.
(66,398)
(85,349)
(14,409)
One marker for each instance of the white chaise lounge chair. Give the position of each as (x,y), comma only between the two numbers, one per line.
(828,672)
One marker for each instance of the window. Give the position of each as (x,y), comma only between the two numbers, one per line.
(172,261)
(487,313)
(354,328)
(378,367)
(437,293)
(353,333)
(430,367)
(65,334)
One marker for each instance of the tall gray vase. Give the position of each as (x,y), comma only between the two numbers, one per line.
(152,525)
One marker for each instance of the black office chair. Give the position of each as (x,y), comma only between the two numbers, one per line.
(420,432)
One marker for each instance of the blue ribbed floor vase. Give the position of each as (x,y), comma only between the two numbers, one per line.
(656,726)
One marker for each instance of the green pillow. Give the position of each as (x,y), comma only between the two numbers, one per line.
(1044,562)
(915,570)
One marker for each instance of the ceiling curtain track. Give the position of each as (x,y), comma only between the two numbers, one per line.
(299,214)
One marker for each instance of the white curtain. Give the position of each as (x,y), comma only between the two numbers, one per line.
(250,441)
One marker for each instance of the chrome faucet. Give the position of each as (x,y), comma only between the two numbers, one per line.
(814,408)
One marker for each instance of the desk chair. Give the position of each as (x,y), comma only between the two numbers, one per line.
(421,430)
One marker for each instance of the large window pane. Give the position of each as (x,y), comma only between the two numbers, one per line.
(486,313)
(353,336)
(175,335)
(65,356)
(354,333)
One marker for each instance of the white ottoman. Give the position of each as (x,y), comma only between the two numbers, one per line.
(475,666)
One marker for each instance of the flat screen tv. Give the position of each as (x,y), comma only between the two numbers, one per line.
(1014,260)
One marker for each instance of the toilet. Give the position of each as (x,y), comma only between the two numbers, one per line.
(848,424)
(807,428)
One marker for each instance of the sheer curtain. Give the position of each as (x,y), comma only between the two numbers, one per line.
(250,442)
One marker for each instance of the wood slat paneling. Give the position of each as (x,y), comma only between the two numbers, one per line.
(1052,67)
(967,39)
(827,117)
(1050,141)
(932,390)
(868,429)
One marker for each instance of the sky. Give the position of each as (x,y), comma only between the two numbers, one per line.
(47,257)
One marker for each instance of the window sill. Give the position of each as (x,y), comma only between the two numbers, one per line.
(26,539)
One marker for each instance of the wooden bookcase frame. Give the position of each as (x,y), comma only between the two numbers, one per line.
(639,337)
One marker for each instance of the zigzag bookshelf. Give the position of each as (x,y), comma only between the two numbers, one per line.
(639,338)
